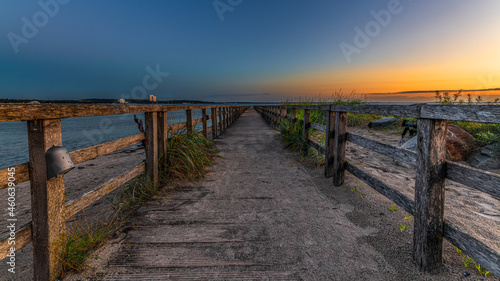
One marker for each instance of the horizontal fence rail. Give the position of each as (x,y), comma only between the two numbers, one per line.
(49,209)
(432,168)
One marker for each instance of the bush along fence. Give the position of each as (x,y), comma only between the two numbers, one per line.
(48,207)
(431,168)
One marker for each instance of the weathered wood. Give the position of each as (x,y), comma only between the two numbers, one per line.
(318,127)
(307,126)
(151,121)
(89,153)
(24,112)
(329,143)
(477,250)
(317,146)
(429,193)
(204,120)
(221,121)
(213,112)
(162,138)
(472,113)
(310,107)
(47,200)
(22,238)
(77,205)
(189,120)
(479,179)
(294,118)
(400,154)
(389,192)
(339,150)
(22,175)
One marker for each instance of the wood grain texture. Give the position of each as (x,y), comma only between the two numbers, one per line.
(22,238)
(204,119)
(318,127)
(47,200)
(77,205)
(214,122)
(339,148)
(400,154)
(317,146)
(471,113)
(329,143)
(389,192)
(162,137)
(22,174)
(151,121)
(307,125)
(477,250)
(429,193)
(479,179)
(189,120)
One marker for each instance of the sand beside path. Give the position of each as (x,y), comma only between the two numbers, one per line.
(263,214)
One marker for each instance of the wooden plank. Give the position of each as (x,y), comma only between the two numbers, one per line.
(477,250)
(22,238)
(318,127)
(472,113)
(22,174)
(162,138)
(339,148)
(24,112)
(294,118)
(307,126)
(77,205)
(429,193)
(189,120)
(395,196)
(221,124)
(204,120)
(400,154)
(47,200)
(214,121)
(89,153)
(317,146)
(151,121)
(329,143)
(479,179)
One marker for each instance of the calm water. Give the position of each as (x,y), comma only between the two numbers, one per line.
(77,133)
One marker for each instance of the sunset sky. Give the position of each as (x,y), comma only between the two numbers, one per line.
(247,50)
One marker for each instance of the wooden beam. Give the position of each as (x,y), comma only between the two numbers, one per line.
(307,126)
(339,148)
(189,120)
(329,144)
(485,181)
(47,200)
(151,122)
(470,113)
(162,137)
(318,127)
(23,238)
(317,146)
(221,122)
(294,118)
(204,118)
(429,193)
(22,175)
(213,112)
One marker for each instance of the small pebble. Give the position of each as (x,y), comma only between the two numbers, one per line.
(466,274)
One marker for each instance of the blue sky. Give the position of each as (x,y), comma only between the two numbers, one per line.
(261,50)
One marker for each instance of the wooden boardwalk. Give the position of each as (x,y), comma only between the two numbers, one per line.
(258,216)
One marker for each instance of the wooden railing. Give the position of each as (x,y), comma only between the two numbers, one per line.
(431,169)
(48,207)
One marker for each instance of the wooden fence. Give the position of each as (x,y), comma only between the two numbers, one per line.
(48,207)
(431,168)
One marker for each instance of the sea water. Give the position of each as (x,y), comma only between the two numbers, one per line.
(78,132)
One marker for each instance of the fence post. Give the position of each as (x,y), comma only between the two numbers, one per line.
(429,193)
(151,121)
(225,117)
(339,148)
(294,118)
(189,120)
(307,126)
(213,112)
(162,136)
(330,144)
(204,118)
(47,200)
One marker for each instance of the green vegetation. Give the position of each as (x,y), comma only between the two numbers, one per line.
(469,262)
(404,225)
(353,189)
(188,156)
(393,208)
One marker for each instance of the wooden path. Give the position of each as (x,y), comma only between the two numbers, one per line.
(258,216)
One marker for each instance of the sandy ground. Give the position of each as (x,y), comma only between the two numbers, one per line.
(300,221)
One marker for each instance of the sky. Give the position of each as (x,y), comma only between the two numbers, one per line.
(247,50)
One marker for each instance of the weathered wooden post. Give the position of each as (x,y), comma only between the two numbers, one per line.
(47,201)
(305,132)
(294,118)
(162,136)
(221,123)
(340,132)
(213,111)
(429,193)
(151,121)
(330,144)
(189,120)
(225,117)
(204,121)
